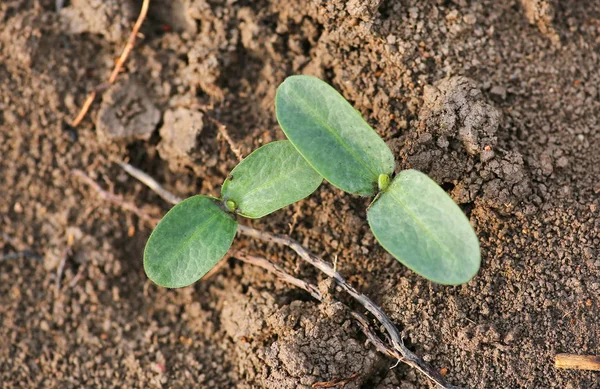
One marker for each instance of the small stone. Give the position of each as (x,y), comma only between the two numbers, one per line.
(470,19)
(44,326)
(562,162)
(486,155)
(499,91)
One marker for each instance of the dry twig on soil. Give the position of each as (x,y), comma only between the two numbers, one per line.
(22,253)
(404,354)
(337,383)
(150,183)
(225,134)
(19,255)
(577,362)
(118,66)
(316,293)
(113,198)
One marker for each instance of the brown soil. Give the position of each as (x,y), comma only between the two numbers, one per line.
(498,101)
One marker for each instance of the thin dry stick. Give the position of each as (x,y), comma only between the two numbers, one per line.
(316,293)
(408,356)
(61,269)
(279,272)
(225,134)
(577,362)
(114,198)
(336,382)
(150,183)
(377,342)
(21,254)
(118,66)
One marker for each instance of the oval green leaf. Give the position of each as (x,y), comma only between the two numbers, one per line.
(270,178)
(331,135)
(189,240)
(420,225)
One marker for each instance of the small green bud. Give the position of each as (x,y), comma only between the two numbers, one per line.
(231,205)
(383,182)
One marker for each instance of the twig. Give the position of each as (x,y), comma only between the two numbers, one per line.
(114,198)
(21,254)
(61,269)
(336,383)
(577,362)
(316,293)
(77,277)
(225,134)
(59,5)
(375,340)
(408,356)
(118,66)
(150,183)
(279,272)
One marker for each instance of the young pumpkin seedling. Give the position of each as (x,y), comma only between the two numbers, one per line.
(411,216)
(196,233)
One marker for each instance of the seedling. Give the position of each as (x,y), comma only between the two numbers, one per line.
(411,216)
(196,233)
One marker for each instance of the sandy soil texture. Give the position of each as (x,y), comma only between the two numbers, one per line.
(498,101)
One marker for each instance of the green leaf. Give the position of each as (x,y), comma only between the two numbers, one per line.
(189,240)
(270,178)
(331,135)
(420,225)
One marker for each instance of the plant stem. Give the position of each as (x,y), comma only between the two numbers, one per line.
(398,350)
(316,293)
(409,357)
(279,272)
(150,183)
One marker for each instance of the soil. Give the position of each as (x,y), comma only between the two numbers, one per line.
(498,101)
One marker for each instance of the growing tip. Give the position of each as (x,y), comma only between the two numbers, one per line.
(231,205)
(383,182)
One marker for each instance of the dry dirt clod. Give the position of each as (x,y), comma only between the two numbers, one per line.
(127,113)
(296,345)
(110,18)
(455,108)
(179,136)
(456,144)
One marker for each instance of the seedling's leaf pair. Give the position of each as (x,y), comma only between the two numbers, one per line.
(196,233)
(332,135)
(412,217)
(269,179)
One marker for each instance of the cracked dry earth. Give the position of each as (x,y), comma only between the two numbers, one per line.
(498,101)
